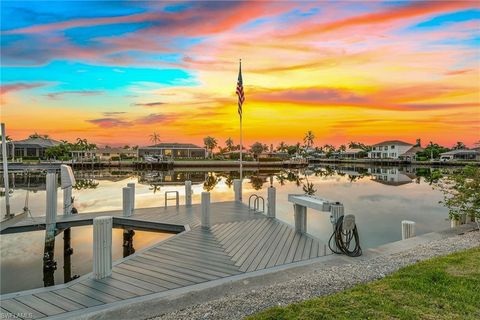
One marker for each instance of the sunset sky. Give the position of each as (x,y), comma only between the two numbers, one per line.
(116,71)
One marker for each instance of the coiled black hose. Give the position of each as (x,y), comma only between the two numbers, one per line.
(343,240)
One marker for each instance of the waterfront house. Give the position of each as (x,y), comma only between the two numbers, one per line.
(30,148)
(411,154)
(273,155)
(391,149)
(461,155)
(391,176)
(174,150)
(103,154)
(354,153)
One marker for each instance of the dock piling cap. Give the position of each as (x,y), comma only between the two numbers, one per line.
(67,177)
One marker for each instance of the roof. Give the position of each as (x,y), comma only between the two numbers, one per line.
(38,142)
(394,142)
(460,151)
(412,151)
(174,146)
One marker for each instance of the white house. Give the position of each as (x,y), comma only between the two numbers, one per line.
(392,149)
(391,176)
(462,154)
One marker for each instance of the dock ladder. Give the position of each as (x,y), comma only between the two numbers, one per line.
(176,198)
(256,203)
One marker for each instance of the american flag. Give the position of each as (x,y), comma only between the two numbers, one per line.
(240,94)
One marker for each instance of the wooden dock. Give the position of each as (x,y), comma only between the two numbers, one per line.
(238,241)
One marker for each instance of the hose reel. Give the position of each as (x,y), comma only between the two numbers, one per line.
(345,239)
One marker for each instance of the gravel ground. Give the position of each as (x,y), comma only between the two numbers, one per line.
(321,282)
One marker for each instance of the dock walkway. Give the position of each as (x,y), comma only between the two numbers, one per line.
(238,241)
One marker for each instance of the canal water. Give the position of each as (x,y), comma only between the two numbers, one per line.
(379,197)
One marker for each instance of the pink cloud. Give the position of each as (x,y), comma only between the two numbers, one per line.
(20,86)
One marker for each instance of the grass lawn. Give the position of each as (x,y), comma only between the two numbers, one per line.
(441,288)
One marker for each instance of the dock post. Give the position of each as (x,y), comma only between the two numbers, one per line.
(206,210)
(131,185)
(188,193)
(8,214)
(127,201)
(51,214)
(102,247)
(67,201)
(67,180)
(408,229)
(237,188)
(336,211)
(272,197)
(300,218)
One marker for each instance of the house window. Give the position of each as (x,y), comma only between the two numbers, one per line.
(31,152)
(392,147)
(167,152)
(385,148)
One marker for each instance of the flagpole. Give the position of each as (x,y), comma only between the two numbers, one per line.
(241,149)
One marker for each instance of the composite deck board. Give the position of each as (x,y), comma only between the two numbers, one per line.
(195,253)
(248,245)
(308,248)
(241,236)
(15,307)
(209,248)
(221,266)
(64,303)
(113,291)
(259,250)
(286,248)
(238,241)
(83,299)
(152,287)
(246,237)
(269,254)
(186,265)
(133,289)
(278,250)
(184,271)
(292,249)
(159,269)
(166,281)
(92,293)
(300,248)
(252,247)
(40,305)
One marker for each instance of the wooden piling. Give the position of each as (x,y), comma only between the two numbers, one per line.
(188,193)
(271,202)
(408,229)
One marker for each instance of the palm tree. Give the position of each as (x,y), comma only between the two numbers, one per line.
(459,146)
(210,143)
(309,138)
(155,138)
(229,143)
(257,148)
(282,147)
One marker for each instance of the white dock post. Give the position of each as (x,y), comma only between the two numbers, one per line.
(206,210)
(127,201)
(336,211)
(51,214)
(5,173)
(237,188)
(131,185)
(67,182)
(271,201)
(408,229)
(67,201)
(102,247)
(300,218)
(188,193)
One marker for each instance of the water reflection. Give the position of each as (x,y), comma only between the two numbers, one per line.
(28,261)
(379,196)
